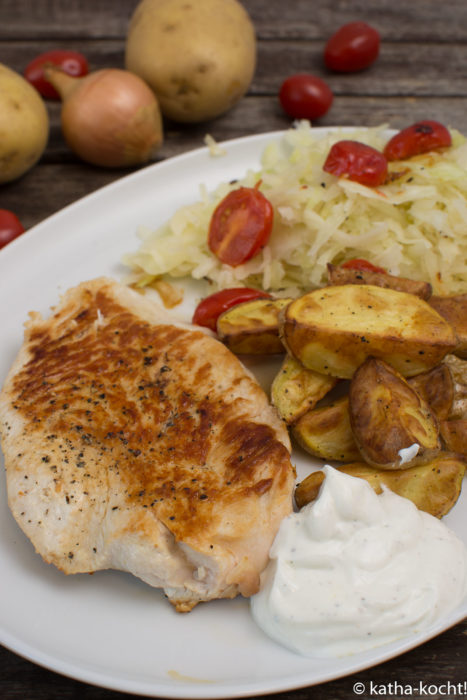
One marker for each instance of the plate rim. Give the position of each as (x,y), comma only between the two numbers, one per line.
(201,690)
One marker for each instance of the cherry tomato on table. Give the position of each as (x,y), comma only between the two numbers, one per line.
(71,62)
(421,137)
(358,162)
(305,96)
(353,47)
(10,227)
(240,225)
(209,309)
(362,264)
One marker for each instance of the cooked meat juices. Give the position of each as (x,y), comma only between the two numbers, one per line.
(134,442)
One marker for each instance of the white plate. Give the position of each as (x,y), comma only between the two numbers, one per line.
(110,629)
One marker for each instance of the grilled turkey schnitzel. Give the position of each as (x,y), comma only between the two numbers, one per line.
(138,443)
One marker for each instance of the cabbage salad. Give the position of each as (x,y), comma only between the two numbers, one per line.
(414,226)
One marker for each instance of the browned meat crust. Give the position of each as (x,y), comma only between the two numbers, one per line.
(122,429)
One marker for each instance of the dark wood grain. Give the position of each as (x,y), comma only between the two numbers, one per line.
(417,21)
(421,73)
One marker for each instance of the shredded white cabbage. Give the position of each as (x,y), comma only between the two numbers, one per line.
(415,226)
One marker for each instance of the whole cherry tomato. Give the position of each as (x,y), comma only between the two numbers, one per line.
(71,62)
(421,137)
(304,96)
(240,225)
(353,47)
(209,309)
(10,227)
(362,264)
(357,162)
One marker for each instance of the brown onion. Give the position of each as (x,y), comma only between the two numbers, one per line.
(109,117)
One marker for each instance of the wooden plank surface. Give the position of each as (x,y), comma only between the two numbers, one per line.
(421,73)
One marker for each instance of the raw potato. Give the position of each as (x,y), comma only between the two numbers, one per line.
(387,416)
(252,327)
(334,329)
(325,432)
(24,125)
(433,487)
(198,56)
(295,389)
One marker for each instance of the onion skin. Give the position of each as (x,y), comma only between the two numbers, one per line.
(110,118)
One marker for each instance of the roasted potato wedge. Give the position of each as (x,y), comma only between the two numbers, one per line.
(295,389)
(454,310)
(334,329)
(458,369)
(344,275)
(454,434)
(325,432)
(387,416)
(307,490)
(252,327)
(433,487)
(436,387)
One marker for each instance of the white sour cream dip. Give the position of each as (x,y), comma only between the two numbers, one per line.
(354,570)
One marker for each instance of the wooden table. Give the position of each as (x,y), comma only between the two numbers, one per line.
(421,73)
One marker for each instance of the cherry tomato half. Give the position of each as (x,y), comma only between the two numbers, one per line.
(304,96)
(240,225)
(353,47)
(421,137)
(71,62)
(357,162)
(209,309)
(362,264)
(10,227)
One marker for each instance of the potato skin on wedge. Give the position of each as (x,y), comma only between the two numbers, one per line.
(333,330)
(433,487)
(387,416)
(344,275)
(454,310)
(458,369)
(325,432)
(454,434)
(436,387)
(295,389)
(252,327)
